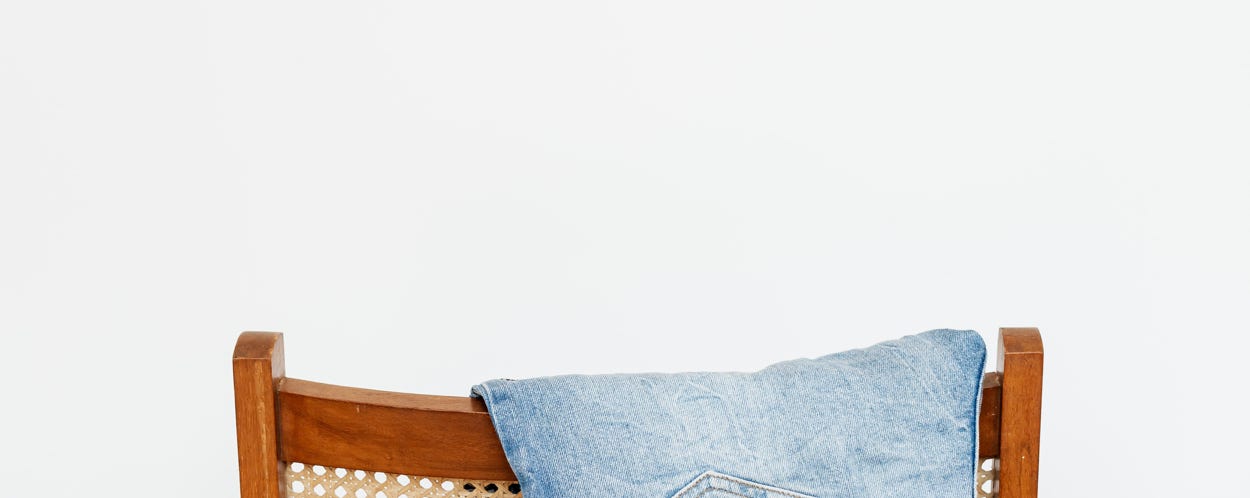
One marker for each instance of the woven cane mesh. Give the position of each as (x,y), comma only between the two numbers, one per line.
(315,481)
(987,478)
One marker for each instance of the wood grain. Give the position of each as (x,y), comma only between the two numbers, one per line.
(989,422)
(1020,358)
(258,369)
(442,436)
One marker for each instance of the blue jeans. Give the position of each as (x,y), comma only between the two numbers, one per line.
(895,420)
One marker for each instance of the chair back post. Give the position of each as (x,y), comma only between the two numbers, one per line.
(259,366)
(1020,363)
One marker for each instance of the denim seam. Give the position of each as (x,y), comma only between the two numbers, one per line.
(713,488)
(711,475)
(976,421)
(505,442)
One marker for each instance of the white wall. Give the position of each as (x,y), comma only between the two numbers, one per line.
(424,195)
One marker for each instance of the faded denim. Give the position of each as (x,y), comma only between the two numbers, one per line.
(894,420)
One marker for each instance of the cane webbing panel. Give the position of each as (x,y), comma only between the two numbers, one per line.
(315,481)
(987,478)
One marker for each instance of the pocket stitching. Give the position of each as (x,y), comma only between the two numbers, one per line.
(718,475)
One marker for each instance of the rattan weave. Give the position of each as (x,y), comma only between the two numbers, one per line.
(987,478)
(318,481)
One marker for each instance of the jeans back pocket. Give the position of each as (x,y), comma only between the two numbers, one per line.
(712,484)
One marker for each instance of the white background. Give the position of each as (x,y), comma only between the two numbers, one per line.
(424,195)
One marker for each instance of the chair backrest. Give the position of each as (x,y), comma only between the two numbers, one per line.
(306,439)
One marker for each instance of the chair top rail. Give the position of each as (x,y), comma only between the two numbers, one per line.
(453,436)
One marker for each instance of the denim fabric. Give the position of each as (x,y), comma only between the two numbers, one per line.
(715,484)
(895,420)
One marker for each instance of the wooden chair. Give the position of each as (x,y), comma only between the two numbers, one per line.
(305,439)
